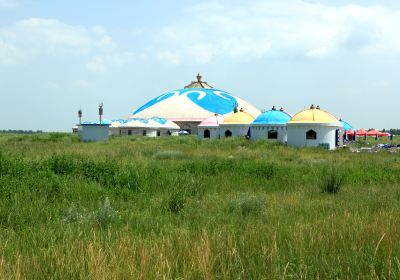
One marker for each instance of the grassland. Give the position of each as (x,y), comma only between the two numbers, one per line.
(180,208)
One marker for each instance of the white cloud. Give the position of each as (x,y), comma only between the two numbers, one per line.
(100,64)
(81,84)
(97,65)
(55,36)
(52,85)
(285,29)
(9,3)
(9,54)
(36,36)
(319,52)
(169,58)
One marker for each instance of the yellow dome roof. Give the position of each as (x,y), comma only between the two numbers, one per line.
(239,118)
(314,115)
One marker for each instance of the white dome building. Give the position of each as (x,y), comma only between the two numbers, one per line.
(115,126)
(188,107)
(152,127)
(313,128)
(237,124)
(209,128)
(271,125)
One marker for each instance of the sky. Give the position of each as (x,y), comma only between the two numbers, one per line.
(57,57)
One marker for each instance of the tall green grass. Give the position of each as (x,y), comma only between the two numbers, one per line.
(183,208)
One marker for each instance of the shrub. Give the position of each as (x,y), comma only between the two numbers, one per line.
(14,166)
(105,215)
(168,155)
(262,170)
(246,205)
(130,179)
(331,180)
(176,202)
(73,215)
(62,164)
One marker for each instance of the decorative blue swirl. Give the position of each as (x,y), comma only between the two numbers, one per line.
(159,120)
(212,100)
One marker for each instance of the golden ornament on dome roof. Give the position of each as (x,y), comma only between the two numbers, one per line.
(199,83)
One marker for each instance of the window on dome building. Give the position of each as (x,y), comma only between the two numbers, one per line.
(311,135)
(129,132)
(144,133)
(158,133)
(206,133)
(228,133)
(272,134)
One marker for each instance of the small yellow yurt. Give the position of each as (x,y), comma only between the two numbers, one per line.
(236,124)
(312,128)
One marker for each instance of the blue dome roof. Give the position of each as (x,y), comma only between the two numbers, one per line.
(273,117)
(346,125)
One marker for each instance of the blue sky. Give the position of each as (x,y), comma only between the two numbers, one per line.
(59,56)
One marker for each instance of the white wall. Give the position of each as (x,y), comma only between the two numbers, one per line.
(150,132)
(296,135)
(113,131)
(214,132)
(260,132)
(93,132)
(133,131)
(236,129)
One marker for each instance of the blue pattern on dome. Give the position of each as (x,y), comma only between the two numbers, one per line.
(122,121)
(346,125)
(146,121)
(106,122)
(212,100)
(159,120)
(272,117)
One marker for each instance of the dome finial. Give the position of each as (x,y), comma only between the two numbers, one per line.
(318,108)
(281,109)
(273,108)
(312,106)
(198,83)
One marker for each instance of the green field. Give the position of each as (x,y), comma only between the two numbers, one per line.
(180,208)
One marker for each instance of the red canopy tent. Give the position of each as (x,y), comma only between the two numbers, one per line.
(383,134)
(373,132)
(350,132)
(361,132)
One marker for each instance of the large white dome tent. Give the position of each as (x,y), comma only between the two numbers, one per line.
(194,103)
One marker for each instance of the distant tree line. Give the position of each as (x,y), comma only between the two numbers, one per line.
(20,131)
(396,131)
